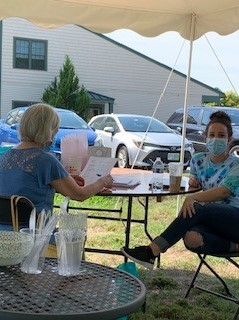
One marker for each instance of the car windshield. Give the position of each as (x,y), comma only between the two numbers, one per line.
(140,124)
(234,115)
(70,120)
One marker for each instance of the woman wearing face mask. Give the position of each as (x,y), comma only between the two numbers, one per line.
(29,170)
(208,221)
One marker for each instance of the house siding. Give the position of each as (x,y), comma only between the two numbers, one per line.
(103,66)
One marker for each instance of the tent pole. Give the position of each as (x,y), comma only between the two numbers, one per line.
(185,106)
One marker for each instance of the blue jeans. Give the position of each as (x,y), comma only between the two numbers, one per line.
(217,223)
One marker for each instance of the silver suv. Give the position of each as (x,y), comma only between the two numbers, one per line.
(198,117)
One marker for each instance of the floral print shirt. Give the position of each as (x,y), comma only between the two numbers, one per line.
(213,175)
(29,172)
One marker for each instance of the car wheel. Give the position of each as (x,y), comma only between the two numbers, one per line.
(122,155)
(235,150)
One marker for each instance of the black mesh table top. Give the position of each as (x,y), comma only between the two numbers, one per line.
(99,292)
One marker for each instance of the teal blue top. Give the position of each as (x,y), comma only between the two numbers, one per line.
(213,175)
(29,172)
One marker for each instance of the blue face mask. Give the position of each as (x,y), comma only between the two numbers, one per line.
(216,146)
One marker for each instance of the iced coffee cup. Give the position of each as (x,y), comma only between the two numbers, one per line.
(175,176)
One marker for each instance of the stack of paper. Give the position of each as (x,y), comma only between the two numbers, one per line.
(122,181)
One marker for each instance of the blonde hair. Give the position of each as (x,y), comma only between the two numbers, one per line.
(38,123)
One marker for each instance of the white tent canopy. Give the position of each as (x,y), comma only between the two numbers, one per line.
(149,18)
(190,18)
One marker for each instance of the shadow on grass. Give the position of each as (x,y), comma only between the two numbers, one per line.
(166,289)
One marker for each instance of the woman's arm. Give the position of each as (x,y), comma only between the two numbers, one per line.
(211,195)
(68,187)
(78,179)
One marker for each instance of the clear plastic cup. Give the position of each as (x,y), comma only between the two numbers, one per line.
(34,262)
(73,221)
(175,176)
(69,245)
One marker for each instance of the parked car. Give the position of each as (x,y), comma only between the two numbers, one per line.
(198,118)
(70,123)
(124,133)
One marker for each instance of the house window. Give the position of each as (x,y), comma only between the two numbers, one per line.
(30,54)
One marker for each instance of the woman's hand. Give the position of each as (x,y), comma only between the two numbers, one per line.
(194,182)
(188,207)
(68,187)
(107,181)
(78,179)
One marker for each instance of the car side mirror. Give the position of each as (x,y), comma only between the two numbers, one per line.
(179,129)
(109,129)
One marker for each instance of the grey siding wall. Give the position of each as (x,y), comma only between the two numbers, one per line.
(135,82)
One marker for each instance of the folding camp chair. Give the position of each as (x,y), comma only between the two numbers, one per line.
(228,295)
(15,210)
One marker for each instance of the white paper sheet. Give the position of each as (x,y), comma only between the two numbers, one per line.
(125,181)
(97,167)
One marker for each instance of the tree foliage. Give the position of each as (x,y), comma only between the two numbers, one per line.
(231,99)
(66,92)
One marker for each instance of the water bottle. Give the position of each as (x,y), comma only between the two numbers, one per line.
(158,169)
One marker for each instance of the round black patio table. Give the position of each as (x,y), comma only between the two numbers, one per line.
(99,292)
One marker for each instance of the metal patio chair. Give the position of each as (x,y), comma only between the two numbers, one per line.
(227,295)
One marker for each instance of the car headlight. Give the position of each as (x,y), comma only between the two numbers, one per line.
(152,145)
(98,142)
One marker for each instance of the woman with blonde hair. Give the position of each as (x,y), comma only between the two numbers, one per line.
(29,170)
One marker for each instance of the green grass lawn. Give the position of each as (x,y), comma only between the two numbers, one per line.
(166,286)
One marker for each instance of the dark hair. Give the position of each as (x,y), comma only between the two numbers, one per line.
(220,117)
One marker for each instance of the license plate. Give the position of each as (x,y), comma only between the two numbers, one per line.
(173,156)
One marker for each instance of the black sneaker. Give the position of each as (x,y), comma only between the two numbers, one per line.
(142,255)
